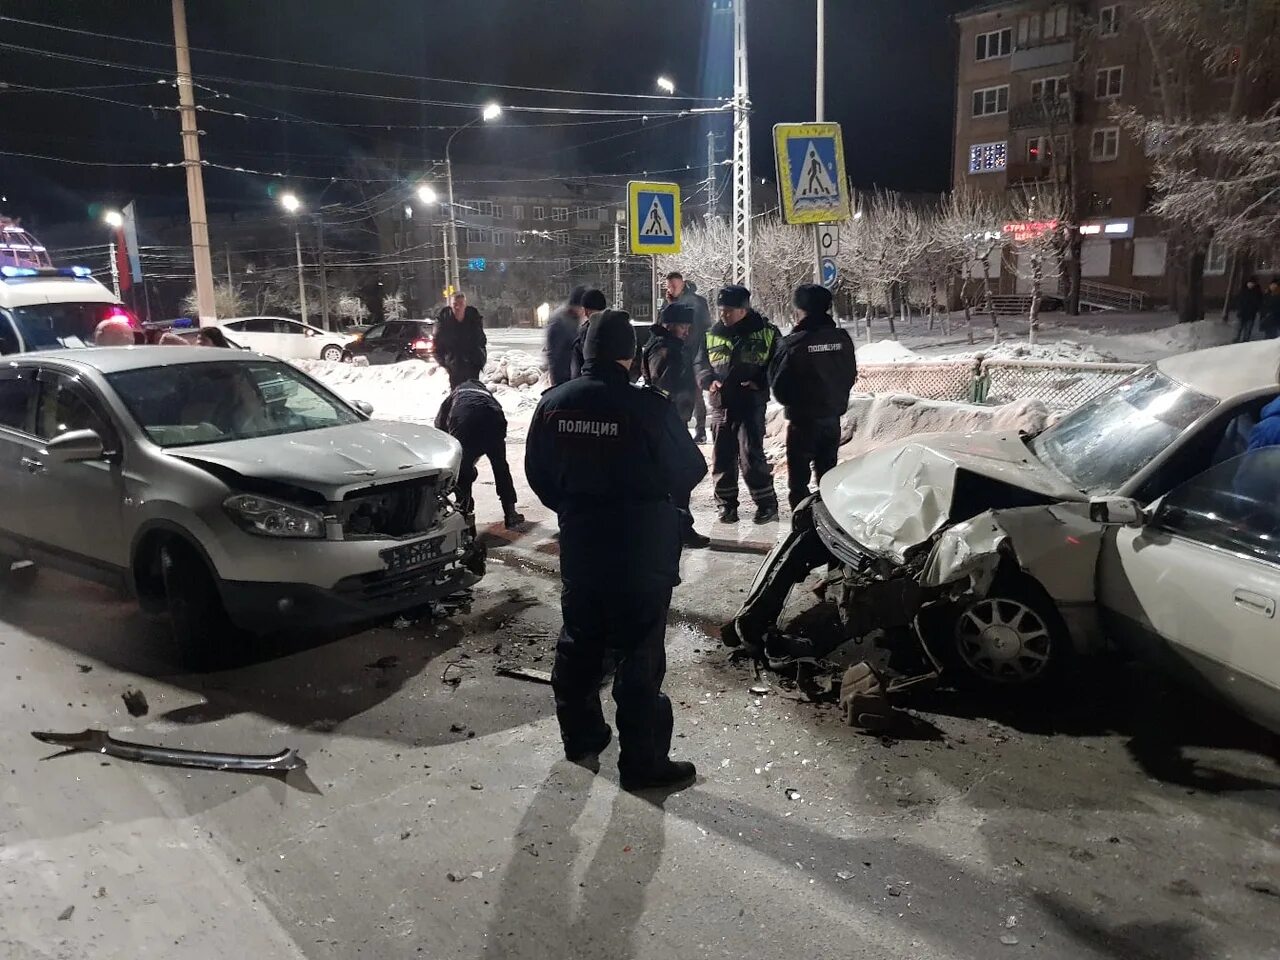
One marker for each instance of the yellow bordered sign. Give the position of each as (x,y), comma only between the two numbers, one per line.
(811,179)
(653,217)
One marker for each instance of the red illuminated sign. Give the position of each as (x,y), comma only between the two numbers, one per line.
(1022,230)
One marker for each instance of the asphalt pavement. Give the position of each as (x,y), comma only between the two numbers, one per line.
(1125,819)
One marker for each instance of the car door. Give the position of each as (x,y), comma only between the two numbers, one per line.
(1202,579)
(77,507)
(254,333)
(375,343)
(295,341)
(392,343)
(19,446)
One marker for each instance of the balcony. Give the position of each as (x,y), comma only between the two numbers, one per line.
(1041,113)
(1044,55)
(1029,171)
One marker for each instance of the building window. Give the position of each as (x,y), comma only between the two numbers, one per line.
(1046,27)
(499,238)
(997,43)
(539,213)
(483,208)
(988,157)
(497,211)
(478,235)
(588,214)
(562,238)
(560,214)
(1040,150)
(1105,144)
(1049,88)
(517,211)
(1108,83)
(606,239)
(991,100)
(1215,260)
(1109,20)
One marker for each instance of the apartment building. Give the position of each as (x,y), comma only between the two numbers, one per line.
(1037,88)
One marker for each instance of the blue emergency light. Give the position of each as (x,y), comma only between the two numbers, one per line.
(16,273)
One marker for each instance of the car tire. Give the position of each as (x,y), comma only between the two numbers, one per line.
(1012,639)
(17,576)
(347,357)
(197,618)
(332,352)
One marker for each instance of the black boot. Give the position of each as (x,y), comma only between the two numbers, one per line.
(589,755)
(512,518)
(667,774)
(766,513)
(728,514)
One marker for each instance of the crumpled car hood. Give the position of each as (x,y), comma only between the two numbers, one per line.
(897,497)
(335,460)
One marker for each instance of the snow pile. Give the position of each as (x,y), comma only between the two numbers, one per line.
(886,351)
(1167,341)
(515,368)
(873,421)
(412,391)
(1061,351)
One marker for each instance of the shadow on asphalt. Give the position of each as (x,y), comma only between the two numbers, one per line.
(322,681)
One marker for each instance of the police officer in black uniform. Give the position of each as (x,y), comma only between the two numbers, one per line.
(612,460)
(667,361)
(593,301)
(732,366)
(811,375)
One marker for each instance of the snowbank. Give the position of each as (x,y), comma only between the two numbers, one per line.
(514,368)
(886,351)
(873,421)
(1178,338)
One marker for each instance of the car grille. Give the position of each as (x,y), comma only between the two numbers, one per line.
(393,510)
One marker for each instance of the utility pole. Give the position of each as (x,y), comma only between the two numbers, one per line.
(819,113)
(741,149)
(617,265)
(324,278)
(228,250)
(710,186)
(302,281)
(115,268)
(195,175)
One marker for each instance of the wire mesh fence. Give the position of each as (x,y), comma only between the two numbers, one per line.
(1059,385)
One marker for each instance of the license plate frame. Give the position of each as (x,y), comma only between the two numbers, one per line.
(408,556)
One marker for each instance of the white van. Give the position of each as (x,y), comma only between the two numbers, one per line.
(50,308)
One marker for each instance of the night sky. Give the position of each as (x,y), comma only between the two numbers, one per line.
(889,81)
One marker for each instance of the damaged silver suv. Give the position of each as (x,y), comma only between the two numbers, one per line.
(225,486)
(1000,555)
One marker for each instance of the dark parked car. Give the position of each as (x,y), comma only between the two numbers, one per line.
(394,341)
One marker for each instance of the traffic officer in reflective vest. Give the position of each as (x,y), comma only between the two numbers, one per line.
(811,375)
(612,460)
(732,366)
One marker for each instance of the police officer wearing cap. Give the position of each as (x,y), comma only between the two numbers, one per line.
(811,375)
(613,460)
(732,366)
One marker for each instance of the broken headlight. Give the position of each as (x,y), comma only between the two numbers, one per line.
(274,518)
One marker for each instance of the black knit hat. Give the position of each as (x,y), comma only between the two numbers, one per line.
(734,296)
(594,300)
(676,313)
(576,295)
(610,337)
(813,298)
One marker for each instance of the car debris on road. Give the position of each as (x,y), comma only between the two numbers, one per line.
(99,741)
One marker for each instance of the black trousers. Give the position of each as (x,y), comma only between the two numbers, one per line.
(1245,333)
(738,441)
(699,413)
(630,627)
(496,450)
(812,445)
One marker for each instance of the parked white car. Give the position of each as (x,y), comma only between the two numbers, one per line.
(1140,518)
(286,339)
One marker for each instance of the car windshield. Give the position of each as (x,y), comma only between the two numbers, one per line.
(1104,443)
(53,326)
(188,403)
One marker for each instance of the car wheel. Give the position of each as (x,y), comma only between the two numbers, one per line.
(332,352)
(17,575)
(347,357)
(1013,638)
(197,618)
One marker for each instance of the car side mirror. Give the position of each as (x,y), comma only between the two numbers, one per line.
(364,406)
(1117,512)
(74,446)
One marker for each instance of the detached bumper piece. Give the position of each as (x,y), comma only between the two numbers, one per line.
(99,741)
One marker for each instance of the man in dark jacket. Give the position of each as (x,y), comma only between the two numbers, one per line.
(562,332)
(680,292)
(473,417)
(732,365)
(668,368)
(1270,319)
(1248,303)
(811,375)
(610,459)
(460,344)
(593,301)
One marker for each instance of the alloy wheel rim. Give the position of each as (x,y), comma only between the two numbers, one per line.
(1004,640)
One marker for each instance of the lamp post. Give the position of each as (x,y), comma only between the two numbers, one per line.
(666,85)
(292,205)
(491,111)
(115,220)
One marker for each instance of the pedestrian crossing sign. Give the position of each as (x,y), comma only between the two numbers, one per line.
(811,177)
(653,215)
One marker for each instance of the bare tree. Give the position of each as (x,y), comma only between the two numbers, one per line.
(781,260)
(228,301)
(1038,242)
(706,256)
(969,227)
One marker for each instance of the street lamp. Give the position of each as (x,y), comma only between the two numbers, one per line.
(490,111)
(292,205)
(427,195)
(113,219)
(666,85)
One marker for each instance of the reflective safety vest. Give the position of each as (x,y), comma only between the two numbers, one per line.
(755,348)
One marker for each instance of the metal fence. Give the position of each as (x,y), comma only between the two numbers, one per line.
(1059,385)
